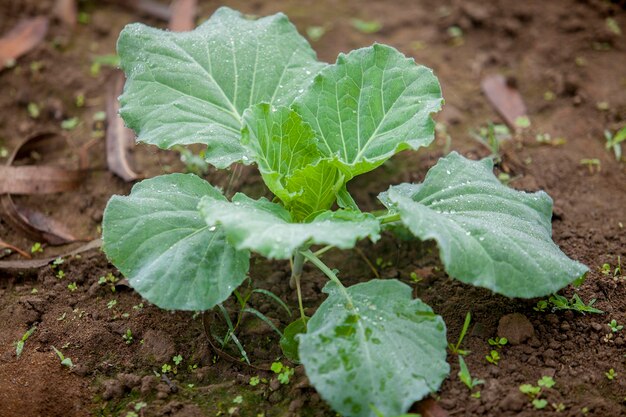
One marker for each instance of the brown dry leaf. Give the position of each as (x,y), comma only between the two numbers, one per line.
(119,139)
(34,264)
(35,180)
(66,11)
(22,38)
(6,245)
(183,15)
(430,408)
(34,224)
(504,98)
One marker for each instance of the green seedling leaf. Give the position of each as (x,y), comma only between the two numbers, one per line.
(465,376)
(366,26)
(289,341)
(158,240)
(488,234)
(373,344)
(19,345)
(193,87)
(369,105)
(267,228)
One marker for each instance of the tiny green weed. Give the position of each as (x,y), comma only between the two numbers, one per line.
(493,357)
(498,342)
(128,337)
(64,361)
(559,302)
(466,377)
(19,345)
(455,349)
(610,374)
(614,326)
(614,142)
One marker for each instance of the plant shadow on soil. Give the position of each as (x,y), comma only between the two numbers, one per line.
(544,46)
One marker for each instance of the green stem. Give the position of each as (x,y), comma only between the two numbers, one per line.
(389,218)
(310,256)
(296,274)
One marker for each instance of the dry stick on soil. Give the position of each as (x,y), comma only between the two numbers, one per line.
(21,39)
(33,265)
(35,180)
(504,98)
(4,244)
(183,16)
(66,11)
(145,7)
(119,139)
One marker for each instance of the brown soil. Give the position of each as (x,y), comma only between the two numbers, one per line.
(564,47)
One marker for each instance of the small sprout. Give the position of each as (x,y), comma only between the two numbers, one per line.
(558,302)
(542,305)
(540,403)
(128,337)
(611,374)
(138,306)
(613,26)
(546,382)
(415,278)
(33,110)
(614,326)
(36,248)
(606,269)
(530,390)
(522,122)
(111,304)
(238,399)
(70,124)
(475,394)
(456,36)
(62,317)
(558,407)
(166,368)
(454,349)
(19,345)
(58,261)
(72,286)
(60,274)
(498,341)
(99,116)
(465,377)
(80,100)
(283,372)
(177,360)
(591,163)
(254,381)
(366,26)
(614,142)
(315,33)
(64,361)
(493,357)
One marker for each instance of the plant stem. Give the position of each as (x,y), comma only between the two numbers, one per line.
(296,274)
(329,273)
(389,218)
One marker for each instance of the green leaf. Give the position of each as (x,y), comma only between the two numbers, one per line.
(369,105)
(267,228)
(280,143)
(289,342)
(316,187)
(489,235)
(193,87)
(374,345)
(157,238)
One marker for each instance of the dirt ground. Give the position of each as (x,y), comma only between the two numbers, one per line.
(570,68)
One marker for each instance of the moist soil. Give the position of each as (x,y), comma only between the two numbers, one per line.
(569,67)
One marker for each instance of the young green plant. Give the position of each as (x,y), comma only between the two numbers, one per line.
(253,92)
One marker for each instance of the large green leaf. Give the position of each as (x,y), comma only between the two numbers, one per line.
(156,238)
(489,235)
(193,87)
(369,105)
(374,345)
(267,228)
